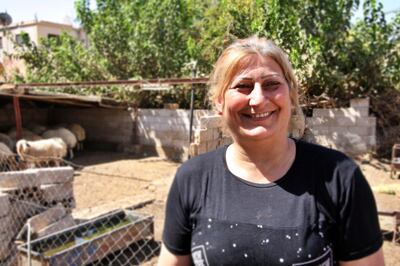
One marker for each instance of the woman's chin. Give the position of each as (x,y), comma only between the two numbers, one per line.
(258,133)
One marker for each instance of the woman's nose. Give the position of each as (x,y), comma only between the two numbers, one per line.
(257,95)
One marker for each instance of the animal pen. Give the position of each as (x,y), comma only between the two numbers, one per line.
(88,211)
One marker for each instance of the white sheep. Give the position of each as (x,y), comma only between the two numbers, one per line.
(7,141)
(67,136)
(79,133)
(45,150)
(7,158)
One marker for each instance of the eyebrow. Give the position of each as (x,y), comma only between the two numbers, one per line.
(263,77)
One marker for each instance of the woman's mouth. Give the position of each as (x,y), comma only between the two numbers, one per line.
(258,116)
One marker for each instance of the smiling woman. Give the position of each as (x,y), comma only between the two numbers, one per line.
(267,199)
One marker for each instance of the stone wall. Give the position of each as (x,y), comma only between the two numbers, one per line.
(7,117)
(108,129)
(350,130)
(166,132)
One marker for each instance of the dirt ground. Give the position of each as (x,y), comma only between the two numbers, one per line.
(112,180)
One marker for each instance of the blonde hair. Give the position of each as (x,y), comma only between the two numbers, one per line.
(239,54)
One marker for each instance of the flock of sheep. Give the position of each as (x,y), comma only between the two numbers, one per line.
(40,145)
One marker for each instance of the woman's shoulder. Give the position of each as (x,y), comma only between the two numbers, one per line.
(203,162)
(326,160)
(318,153)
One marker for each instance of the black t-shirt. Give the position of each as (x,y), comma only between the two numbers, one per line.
(321,211)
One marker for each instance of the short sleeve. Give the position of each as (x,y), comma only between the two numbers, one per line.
(360,234)
(177,229)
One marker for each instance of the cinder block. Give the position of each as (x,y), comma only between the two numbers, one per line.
(5,250)
(360,131)
(22,210)
(227,140)
(362,102)
(336,112)
(5,224)
(204,135)
(19,179)
(363,111)
(44,219)
(370,141)
(346,121)
(193,150)
(319,130)
(217,134)
(63,223)
(202,148)
(315,121)
(324,140)
(4,204)
(57,192)
(211,121)
(366,121)
(212,145)
(55,175)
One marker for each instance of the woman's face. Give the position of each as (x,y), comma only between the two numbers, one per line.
(257,104)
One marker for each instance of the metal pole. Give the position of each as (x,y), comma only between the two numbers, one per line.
(29,244)
(191,109)
(18,120)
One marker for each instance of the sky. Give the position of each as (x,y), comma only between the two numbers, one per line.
(63,11)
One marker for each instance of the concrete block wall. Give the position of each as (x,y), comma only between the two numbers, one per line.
(29,115)
(106,128)
(167,131)
(210,135)
(350,130)
(27,193)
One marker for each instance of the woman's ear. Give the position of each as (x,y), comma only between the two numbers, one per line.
(219,104)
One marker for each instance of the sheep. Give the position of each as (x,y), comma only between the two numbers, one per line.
(79,133)
(25,134)
(36,128)
(7,158)
(67,136)
(45,150)
(7,141)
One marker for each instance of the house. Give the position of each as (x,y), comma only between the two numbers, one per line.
(11,35)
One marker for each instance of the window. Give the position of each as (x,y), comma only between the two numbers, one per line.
(53,36)
(21,38)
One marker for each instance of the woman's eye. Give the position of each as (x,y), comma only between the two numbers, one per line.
(272,85)
(244,87)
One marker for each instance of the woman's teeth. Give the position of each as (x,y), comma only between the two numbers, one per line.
(260,115)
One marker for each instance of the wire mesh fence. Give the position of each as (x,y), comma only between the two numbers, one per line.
(43,223)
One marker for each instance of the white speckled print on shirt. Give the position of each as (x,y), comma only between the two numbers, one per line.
(216,242)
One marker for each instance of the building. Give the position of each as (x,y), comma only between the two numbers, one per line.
(12,35)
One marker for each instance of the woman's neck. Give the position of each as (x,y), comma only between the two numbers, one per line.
(264,162)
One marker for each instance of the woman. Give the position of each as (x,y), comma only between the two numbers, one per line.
(267,199)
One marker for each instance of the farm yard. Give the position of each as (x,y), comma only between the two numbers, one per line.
(134,170)
(97,116)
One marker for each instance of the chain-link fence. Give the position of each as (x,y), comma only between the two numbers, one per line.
(50,214)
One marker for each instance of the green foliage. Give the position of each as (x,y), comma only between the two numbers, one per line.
(158,39)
